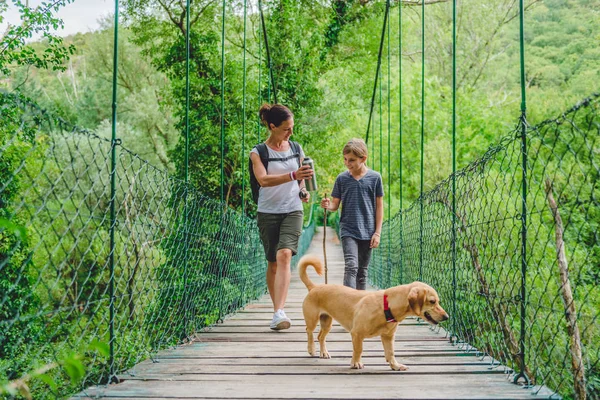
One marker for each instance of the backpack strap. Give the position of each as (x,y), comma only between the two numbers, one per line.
(295,151)
(263,153)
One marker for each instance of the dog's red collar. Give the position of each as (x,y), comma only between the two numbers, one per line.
(389,317)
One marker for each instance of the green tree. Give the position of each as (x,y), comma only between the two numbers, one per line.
(13,46)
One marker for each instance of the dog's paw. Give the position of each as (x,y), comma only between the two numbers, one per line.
(399,367)
(325,354)
(311,350)
(357,365)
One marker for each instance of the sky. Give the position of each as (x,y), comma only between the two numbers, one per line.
(79,16)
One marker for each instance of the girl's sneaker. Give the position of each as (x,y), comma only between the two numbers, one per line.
(280,321)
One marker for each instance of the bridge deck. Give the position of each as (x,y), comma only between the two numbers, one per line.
(243,358)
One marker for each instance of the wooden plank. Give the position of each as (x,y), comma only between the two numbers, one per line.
(438,359)
(264,329)
(301,337)
(242,358)
(349,386)
(323,367)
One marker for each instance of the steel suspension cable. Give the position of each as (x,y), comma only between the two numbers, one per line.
(113,193)
(380,139)
(422,136)
(380,122)
(223,104)
(454,167)
(400,132)
(244,113)
(389,143)
(187,162)
(269,62)
(259,88)
(385,20)
(523,122)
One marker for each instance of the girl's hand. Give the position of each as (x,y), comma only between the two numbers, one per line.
(325,203)
(375,239)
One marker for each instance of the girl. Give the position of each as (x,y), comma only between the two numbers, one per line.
(360,190)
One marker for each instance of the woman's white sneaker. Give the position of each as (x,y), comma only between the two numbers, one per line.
(280,321)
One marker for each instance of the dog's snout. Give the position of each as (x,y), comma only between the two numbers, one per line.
(445,317)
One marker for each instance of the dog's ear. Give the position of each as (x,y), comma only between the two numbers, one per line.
(416,297)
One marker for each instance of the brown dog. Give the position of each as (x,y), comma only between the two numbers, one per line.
(363,313)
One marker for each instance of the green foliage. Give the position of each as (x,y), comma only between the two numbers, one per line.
(171,274)
(482,289)
(14,246)
(72,365)
(175,276)
(13,47)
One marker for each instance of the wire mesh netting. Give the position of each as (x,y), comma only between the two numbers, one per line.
(480,279)
(181,261)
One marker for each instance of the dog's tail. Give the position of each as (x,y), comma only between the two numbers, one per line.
(304,262)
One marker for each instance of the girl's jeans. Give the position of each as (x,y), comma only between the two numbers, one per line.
(357,254)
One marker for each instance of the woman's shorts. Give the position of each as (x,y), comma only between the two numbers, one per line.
(279,231)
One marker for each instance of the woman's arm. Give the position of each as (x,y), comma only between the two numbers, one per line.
(265,180)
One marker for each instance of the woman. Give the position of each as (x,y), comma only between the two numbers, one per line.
(280,197)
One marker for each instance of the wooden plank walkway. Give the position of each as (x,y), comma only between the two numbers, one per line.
(243,359)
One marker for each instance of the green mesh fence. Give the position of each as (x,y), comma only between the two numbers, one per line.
(173,273)
(482,292)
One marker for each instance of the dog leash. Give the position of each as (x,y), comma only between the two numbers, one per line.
(324,240)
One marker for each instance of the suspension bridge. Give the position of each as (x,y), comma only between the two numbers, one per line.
(127,282)
(242,358)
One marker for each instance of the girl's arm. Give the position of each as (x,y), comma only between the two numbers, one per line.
(379,215)
(331,204)
(376,238)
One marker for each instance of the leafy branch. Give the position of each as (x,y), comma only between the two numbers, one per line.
(13,47)
(73,366)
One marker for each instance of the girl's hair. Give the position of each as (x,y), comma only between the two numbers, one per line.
(356,146)
(274,114)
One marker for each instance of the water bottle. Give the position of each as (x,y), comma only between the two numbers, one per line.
(311,183)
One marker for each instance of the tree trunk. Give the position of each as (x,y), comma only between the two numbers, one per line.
(568,301)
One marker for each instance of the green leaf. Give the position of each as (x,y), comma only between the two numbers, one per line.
(100,347)
(13,228)
(74,368)
(47,379)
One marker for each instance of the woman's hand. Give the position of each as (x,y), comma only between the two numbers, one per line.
(304,172)
(325,203)
(305,195)
(375,239)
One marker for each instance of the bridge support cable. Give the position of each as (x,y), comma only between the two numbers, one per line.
(422,138)
(389,145)
(523,126)
(244,111)
(385,21)
(222,142)
(113,194)
(453,331)
(400,214)
(259,94)
(186,301)
(269,61)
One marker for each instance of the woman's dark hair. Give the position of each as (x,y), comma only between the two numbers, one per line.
(274,114)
